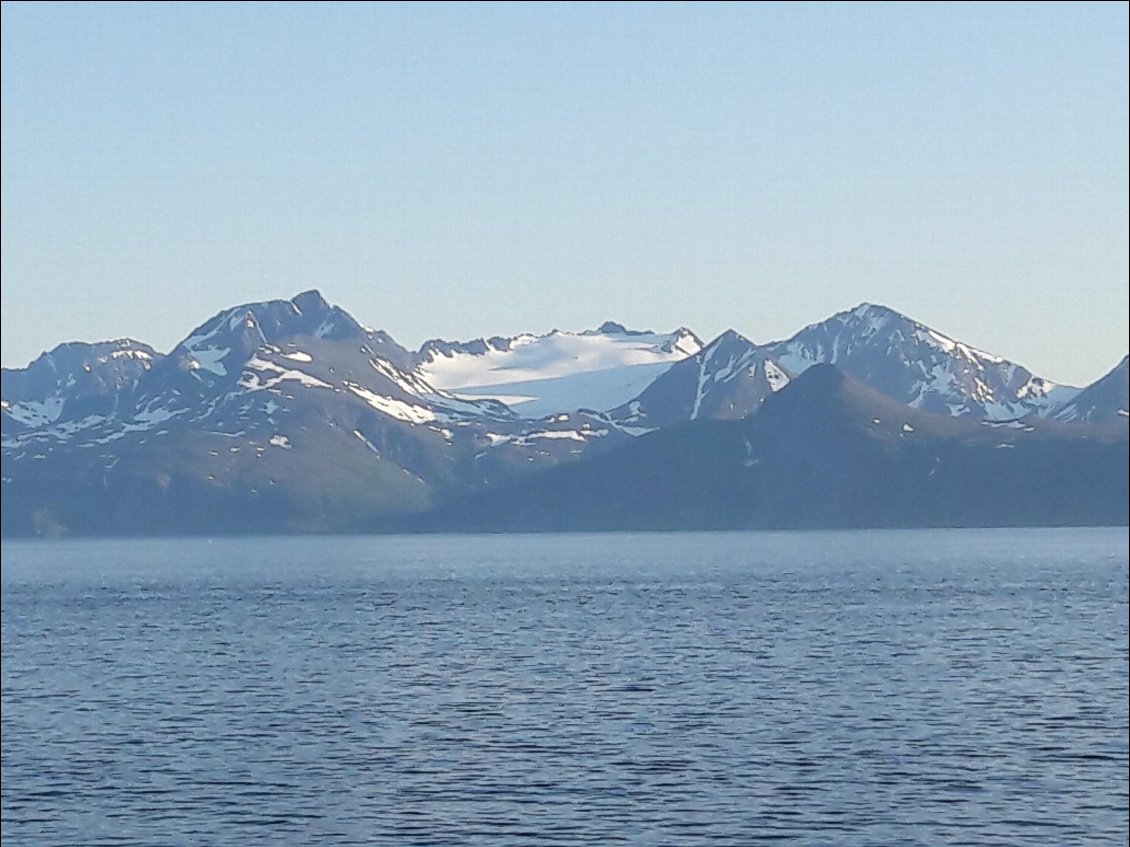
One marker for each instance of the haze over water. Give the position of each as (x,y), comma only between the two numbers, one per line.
(915,687)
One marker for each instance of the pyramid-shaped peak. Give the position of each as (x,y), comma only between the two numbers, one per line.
(730,338)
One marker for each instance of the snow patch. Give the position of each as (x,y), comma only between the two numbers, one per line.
(148,418)
(570,434)
(361,437)
(978,357)
(209,358)
(561,435)
(1004,424)
(252,382)
(37,412)
(392,407)
(776,377)
(700,387)
(193,341)
(131,354)
(540,398)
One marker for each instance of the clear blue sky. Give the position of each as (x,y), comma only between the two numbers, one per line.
(465,170)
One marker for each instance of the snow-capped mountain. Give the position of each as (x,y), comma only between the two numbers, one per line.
(290,415)
(233,373)
(920,366)
(826,451)
(262,399)
(72,382)
(1105,400)
(248,369)
(541,375)
(729,378)
(245,356)
(899,357)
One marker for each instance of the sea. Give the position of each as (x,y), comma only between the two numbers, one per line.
(941,687)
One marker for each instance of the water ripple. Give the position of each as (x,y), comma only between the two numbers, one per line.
(823,689)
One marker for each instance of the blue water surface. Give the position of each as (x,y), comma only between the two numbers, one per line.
(855,688)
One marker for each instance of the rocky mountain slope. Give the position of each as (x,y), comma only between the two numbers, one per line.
(1106,400)
(897,356)
(291,416)
(825,451)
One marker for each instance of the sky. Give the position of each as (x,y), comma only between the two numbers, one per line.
(466,170)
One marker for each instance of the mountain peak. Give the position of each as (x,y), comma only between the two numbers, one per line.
(865,308)
(310,302)
(74,380)
(730,336)
(875,316)
(612,328)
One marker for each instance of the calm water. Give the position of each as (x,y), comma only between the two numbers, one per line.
(869,688)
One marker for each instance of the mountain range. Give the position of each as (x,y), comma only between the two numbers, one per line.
(292,416)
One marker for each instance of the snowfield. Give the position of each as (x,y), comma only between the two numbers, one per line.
(538,375)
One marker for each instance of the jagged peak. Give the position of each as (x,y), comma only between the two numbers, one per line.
(475,346)
(617,328)
(307,313)
(480,345)
(78,350)
(309,301)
